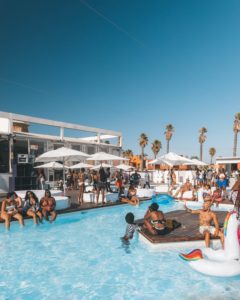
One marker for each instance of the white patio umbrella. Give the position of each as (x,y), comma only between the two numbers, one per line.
(62,154)
(103,156)
(124,167)
(159,161)
(51,165)
(172,159)
(102,165)
(196,162)
(80,166)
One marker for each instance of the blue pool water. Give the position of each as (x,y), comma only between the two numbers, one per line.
(81,257)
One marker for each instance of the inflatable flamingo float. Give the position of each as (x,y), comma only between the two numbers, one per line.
(223,263)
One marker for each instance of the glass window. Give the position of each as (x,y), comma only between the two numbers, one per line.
(90,150)
(4,156)
(36,148)
(77,147)
(56,146)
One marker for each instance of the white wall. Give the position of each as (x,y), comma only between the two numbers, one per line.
(181,176)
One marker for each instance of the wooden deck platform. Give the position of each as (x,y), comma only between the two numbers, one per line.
(189,231)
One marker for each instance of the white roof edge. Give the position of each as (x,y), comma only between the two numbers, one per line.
(36,120)
(57,139)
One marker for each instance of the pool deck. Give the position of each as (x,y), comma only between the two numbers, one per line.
(74,205)
(185,235)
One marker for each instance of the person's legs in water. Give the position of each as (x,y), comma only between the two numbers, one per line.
(40,216)
(32,214)
(53,216)
(19,217)
(45,214)
(7,218)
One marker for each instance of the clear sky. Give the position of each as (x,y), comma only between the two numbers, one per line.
(128,65)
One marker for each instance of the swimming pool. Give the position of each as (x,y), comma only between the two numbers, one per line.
(82,257)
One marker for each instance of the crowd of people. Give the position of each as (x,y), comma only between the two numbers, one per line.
(103,180)
(14,207)
(212,184)
(155,222)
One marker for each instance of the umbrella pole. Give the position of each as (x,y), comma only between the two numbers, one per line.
(53,177)
(63,176)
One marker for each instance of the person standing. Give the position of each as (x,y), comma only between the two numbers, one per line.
(81,185)
(108,184)
(135,178)
(146,180)
(101,184)
(75,180)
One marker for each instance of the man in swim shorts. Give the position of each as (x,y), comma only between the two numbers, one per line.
(206,217)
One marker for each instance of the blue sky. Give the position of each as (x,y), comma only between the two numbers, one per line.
(131,66)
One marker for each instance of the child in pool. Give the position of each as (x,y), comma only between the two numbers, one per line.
(131,227)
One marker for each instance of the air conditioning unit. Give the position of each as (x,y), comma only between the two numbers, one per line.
(22,159)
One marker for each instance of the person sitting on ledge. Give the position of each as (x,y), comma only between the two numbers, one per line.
(48,205)
(9,210)
(187,186)
(131,197)
(31,207)
(217,196)
(206,216)
(154,221)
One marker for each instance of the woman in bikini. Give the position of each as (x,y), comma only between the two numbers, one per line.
(131,197)
(31,207)
(48,205)
(9,210)
(154,221)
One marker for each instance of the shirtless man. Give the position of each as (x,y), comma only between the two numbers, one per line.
(206,216)
(186,187)
(9,210)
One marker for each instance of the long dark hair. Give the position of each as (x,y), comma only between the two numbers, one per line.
(47,191)
(27,196)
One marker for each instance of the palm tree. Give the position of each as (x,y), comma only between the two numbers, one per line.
(156,147)
(168,134)
(212,152)
(236,129)
(128,154)
(143,141)
(202,138)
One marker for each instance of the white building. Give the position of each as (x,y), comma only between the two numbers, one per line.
(22,138)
